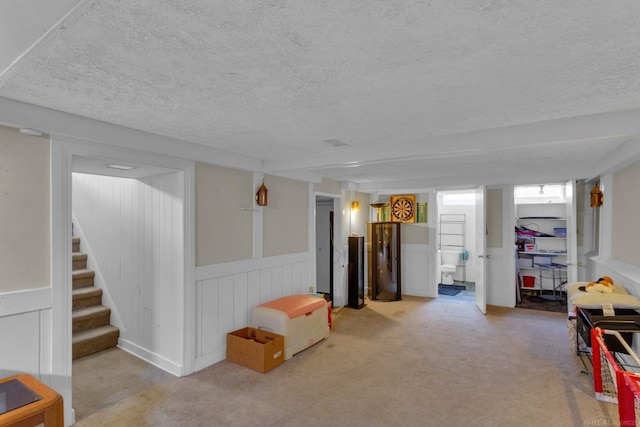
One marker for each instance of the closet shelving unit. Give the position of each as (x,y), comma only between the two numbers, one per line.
(547,261)
(451,236)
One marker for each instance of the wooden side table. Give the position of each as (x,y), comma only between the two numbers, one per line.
(26,402)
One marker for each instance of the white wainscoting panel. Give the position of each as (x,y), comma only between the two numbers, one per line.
(623,274)
(226,294)
(22,330)
(417,271)
(500,292)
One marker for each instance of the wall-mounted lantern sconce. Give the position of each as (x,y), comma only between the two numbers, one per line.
(355,206)
(261,195)
(596,196)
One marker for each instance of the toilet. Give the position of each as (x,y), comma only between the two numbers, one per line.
(449,261)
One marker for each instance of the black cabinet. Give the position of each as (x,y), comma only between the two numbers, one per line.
(383,246)
(356,272)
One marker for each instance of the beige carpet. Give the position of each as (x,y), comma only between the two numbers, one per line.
(416,362)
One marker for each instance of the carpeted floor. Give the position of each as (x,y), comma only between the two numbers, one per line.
(419,361)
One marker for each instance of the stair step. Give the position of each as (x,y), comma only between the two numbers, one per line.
(75,244)
(79,260)
(92,331)
(86,297)
(91,317)
(83,278)
(94,340)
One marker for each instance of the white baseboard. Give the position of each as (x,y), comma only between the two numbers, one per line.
(418,293)
(209,359)
(150,357)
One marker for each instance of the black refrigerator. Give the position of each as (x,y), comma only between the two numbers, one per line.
(383,247)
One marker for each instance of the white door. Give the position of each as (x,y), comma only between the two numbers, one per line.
(572,233)
(481,249)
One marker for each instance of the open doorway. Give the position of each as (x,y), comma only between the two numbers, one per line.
(325,227)
(456,234)
(129,221)
(545,245)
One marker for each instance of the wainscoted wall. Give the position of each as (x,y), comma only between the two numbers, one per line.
(623,274)
(134,229)
(25,253)
(24,322)
(27,328)
(226,294)
(417,271)
(500,292)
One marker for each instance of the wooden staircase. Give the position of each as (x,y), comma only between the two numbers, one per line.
(92,329)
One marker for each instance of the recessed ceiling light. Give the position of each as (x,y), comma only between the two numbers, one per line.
(32,132)
(121,167)
(334,142)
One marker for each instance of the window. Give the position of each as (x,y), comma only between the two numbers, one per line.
(459,199)
(540,193)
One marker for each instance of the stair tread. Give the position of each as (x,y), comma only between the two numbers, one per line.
(83,272)
(89,311)
(94,333)
(84,292)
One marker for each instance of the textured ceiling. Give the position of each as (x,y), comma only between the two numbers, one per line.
(458,92)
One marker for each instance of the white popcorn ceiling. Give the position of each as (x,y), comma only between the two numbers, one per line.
(416,89)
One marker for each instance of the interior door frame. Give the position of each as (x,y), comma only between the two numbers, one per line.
(480,235)
(572,238)
(63,150)
(331,257)
(481,248)
(338,292)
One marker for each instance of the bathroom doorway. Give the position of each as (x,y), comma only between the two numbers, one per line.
(456,234)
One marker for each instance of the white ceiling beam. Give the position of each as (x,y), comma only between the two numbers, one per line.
(490,177)
(530,136)
(20,114)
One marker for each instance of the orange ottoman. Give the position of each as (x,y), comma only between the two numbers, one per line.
(301,319)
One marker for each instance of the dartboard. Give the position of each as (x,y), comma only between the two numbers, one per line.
(402,208)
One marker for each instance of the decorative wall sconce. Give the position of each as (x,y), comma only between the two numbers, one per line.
(597,197)
(355,206)
(261,195)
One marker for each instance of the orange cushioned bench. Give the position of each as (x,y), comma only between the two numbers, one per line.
(301,319)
